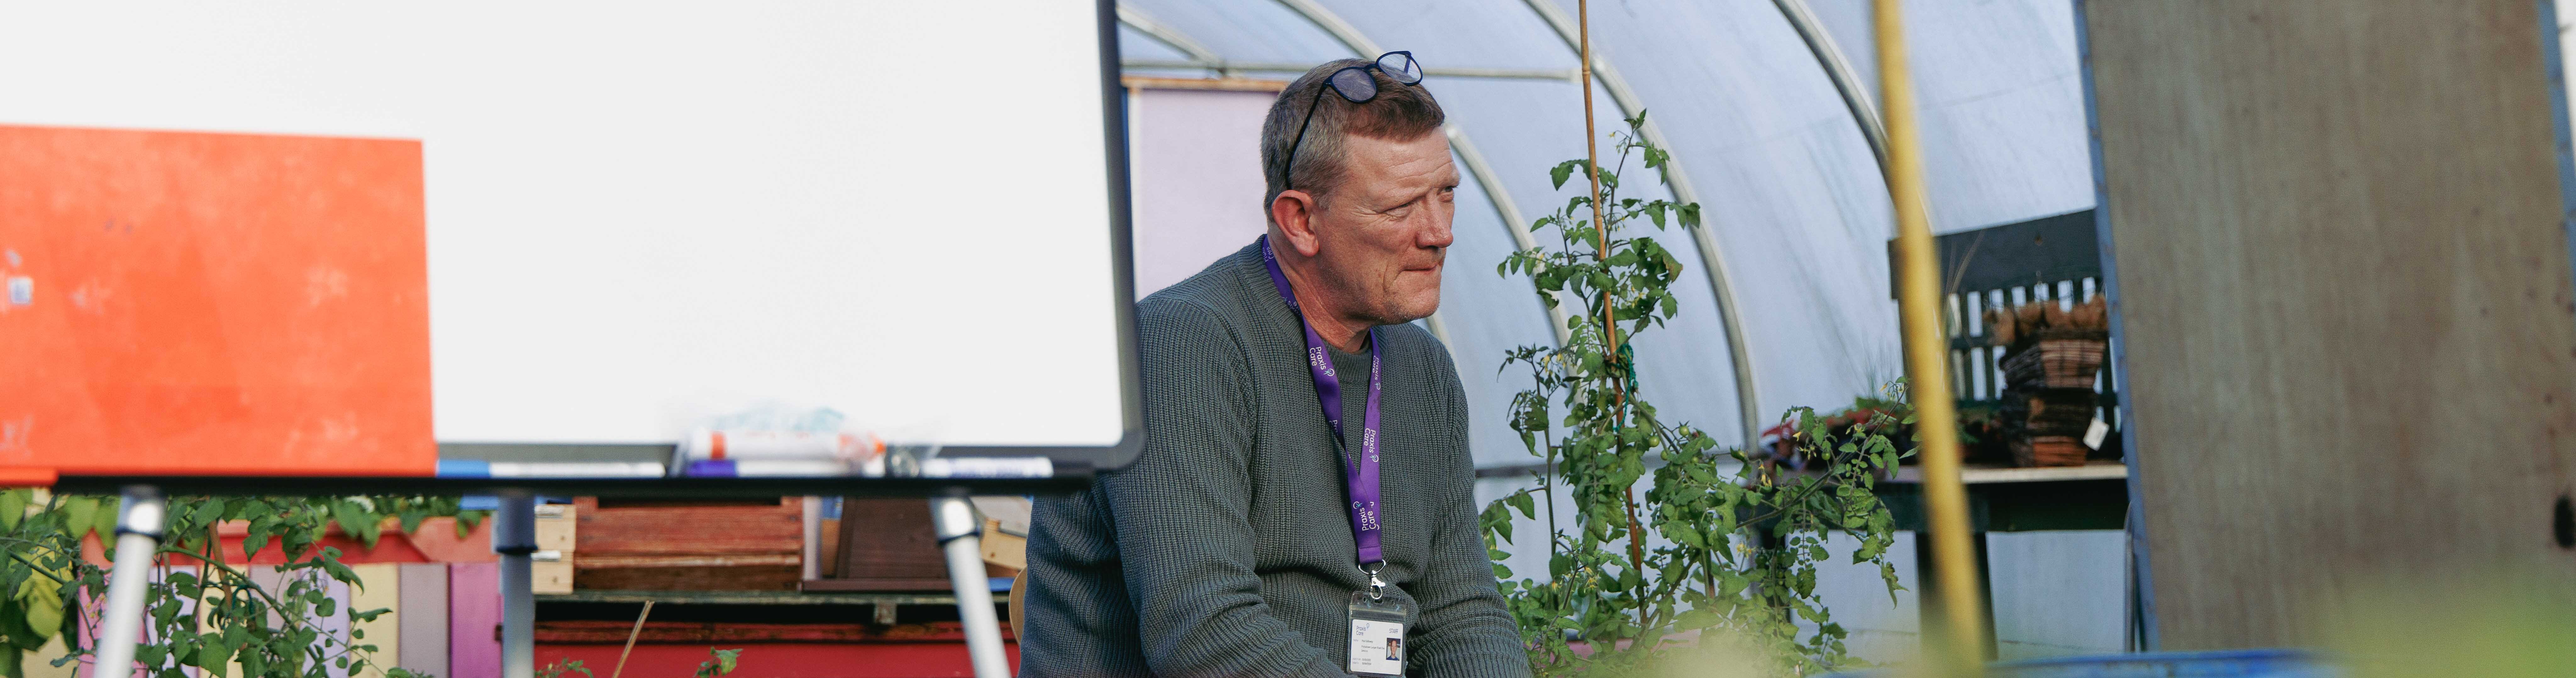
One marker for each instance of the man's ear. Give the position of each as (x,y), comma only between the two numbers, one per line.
(1294,212)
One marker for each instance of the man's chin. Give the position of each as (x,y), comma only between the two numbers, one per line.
(1415,307)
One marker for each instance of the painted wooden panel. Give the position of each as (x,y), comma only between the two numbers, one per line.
(424,618)
(2344,286)
(473,620)
(379,587)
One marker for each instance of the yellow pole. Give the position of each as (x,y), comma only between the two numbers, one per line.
(1926,362)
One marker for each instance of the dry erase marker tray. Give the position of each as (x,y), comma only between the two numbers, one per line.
(626,471)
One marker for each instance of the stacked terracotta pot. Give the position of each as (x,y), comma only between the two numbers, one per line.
(2054,353)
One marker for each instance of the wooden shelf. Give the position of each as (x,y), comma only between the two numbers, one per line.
(748,598)
(614,632)
(1976,474)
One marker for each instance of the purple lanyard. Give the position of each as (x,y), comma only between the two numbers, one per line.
(1359,475)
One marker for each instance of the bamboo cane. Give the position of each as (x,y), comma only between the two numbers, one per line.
(1926,367)
(630,640)
(1601,251)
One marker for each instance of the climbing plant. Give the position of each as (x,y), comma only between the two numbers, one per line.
(200,611)
(1722,547)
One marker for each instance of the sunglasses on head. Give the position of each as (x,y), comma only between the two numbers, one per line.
(1355,86)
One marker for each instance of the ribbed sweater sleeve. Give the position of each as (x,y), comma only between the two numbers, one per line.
(1182,510)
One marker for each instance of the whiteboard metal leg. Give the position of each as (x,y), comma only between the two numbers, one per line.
(138,535)
(514,537)
(812,554)
(961,536)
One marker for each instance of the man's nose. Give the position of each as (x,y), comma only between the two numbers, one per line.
(1438,233)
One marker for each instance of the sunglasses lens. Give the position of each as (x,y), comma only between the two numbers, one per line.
(1401,67)
(1355,84)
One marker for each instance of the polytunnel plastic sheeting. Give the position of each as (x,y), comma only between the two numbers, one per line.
(1135,44)
(1244,30)
(1460,33)
(1791,190)
(1786,183)
(2002,102)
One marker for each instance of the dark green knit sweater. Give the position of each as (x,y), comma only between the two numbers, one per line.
(1225,550)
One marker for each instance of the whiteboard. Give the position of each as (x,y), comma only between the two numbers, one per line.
(643,215)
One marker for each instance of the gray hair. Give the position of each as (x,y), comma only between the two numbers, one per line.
(1400,112)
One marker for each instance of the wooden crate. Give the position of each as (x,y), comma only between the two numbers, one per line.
(719,545)
(886,544)
(556,527)
(550,576)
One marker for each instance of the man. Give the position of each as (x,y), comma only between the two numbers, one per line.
(1250,539)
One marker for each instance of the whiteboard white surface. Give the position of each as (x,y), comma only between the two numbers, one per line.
(641,215)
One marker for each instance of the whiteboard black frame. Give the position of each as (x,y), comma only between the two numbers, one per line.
(1074,465)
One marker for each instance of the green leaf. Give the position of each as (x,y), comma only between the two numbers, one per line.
(330,562)
(355,521)
(213,656)
(13,506)
(13,628)
(257,536)
(105,519)
(40,601)
(80,514)
(722,663)
(1558,175)
(206,512)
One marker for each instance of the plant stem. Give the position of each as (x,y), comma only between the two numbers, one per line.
(197,611)
(1609,309)
(1547,483)
(33,565)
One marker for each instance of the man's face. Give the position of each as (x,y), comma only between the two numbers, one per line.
(1385,229)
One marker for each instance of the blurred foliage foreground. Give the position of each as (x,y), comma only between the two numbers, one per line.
(202,612)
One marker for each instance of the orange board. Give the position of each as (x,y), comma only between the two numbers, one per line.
(181,304)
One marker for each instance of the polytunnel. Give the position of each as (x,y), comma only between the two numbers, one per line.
(1785,301)
(1767,108)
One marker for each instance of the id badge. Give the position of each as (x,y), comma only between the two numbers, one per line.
(1377,635)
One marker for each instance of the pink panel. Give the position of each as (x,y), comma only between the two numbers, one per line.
(474,620)
(1196,162)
